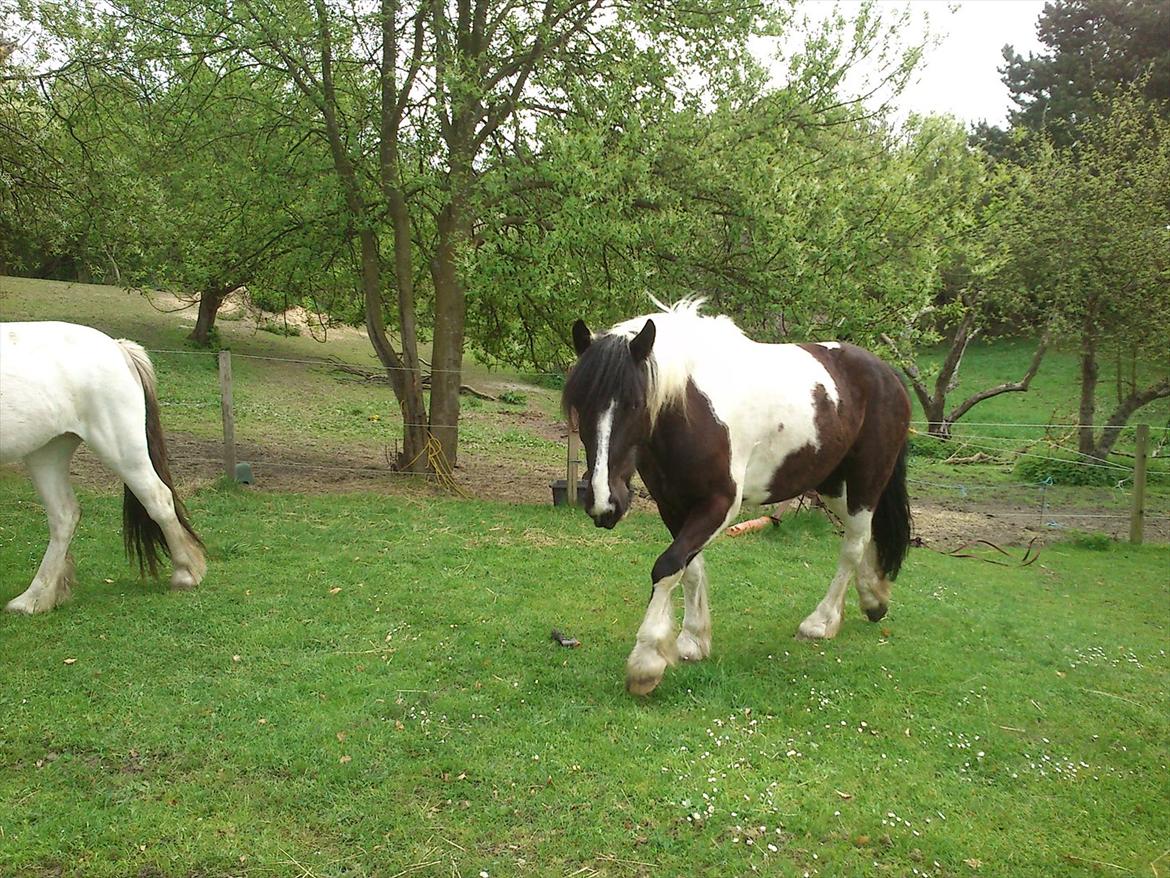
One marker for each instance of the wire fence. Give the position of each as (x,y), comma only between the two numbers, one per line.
(984,450)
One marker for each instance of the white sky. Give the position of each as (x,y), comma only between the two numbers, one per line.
(959,74)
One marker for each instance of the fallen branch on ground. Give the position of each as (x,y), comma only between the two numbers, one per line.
(381,378)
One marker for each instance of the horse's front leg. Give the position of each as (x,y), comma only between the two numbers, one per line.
(694,641)
(655,647)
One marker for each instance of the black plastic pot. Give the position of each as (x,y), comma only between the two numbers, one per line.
(560,492)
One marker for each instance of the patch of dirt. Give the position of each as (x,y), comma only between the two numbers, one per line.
(198,462)
(239,308)
(943,526)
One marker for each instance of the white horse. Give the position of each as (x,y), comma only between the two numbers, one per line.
(62,384)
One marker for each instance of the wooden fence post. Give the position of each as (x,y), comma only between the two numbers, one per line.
(1137,516)
(229,418)
(571,466)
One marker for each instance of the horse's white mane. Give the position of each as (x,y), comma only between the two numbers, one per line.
(683,335)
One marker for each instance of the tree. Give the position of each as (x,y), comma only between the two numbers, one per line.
(785,206)
(241,193)
(1094,47)
(493,156)
(1092,234)
(412,100)
(968,198)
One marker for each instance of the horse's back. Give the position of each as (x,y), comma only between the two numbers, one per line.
(793,411)
(58,378)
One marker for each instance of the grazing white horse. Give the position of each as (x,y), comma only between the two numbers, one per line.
(61,385)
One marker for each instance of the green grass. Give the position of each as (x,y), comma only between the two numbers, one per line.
(364,686)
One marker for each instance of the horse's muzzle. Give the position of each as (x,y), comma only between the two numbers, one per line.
(607,519)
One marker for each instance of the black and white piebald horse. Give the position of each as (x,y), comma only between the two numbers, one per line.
(711,419)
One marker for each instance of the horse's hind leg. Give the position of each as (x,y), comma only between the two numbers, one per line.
(186,555)
(49,469)
(694,641)
(825,621)
(124,450)
(873,589)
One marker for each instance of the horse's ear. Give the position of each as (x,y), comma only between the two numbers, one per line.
(641,343)
(582,337)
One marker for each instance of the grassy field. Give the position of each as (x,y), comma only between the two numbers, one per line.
(365,686)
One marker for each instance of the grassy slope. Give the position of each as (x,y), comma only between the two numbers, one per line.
(418,721)
(1051,399)
(1053,396)
(277,403)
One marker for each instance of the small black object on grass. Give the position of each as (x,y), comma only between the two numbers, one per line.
(570,642)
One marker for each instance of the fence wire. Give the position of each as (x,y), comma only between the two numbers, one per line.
(986,437)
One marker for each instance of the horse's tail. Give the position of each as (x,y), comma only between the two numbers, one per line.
(891,520)
(142,534)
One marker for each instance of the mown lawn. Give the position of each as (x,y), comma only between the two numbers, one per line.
(365,686)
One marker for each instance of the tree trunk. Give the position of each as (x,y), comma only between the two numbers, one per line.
(1124,411)
(406,382)
(450,317)
(1089,372)
(209,301)
(938,422)
(414,410)
(936,419)
(405,379)
(390,112)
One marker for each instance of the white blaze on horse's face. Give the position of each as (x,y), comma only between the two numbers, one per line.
(602,500)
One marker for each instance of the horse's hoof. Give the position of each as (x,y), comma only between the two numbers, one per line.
(644,671)
(876,614)
(642,685)
(816,628)
(691,648)
(183,580)
(17,606)
(28,606)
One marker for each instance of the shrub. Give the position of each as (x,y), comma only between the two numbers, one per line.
(280,328)
(923,445)
(514,397)
(1063,468)
(548,380)
(1097,542)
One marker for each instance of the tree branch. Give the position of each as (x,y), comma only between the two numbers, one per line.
(1010,387)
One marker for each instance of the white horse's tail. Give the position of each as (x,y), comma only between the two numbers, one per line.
(141,533)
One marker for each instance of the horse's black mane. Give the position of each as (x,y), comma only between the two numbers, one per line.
(605,372)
